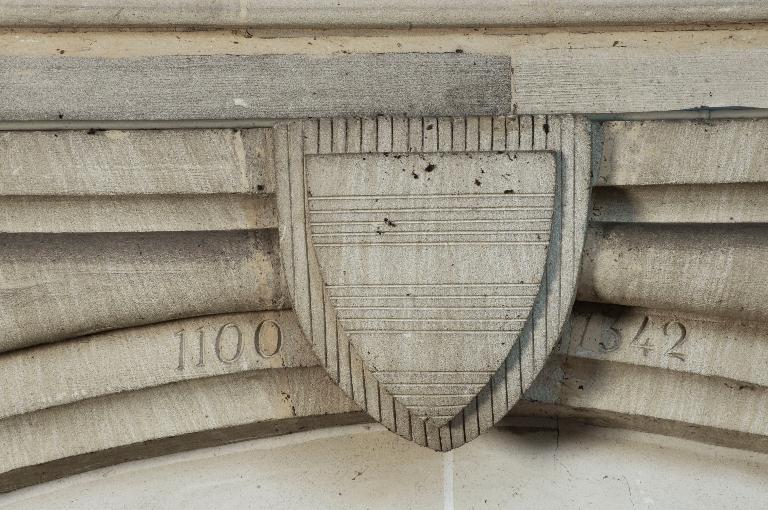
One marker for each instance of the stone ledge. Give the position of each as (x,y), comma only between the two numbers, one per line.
(389,14)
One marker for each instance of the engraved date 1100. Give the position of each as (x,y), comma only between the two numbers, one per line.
(229,343)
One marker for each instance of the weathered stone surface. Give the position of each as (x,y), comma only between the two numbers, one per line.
(615,469)
(638,392)
(252,86)
(708,269)
(137,358)
(136,181)
(708,346)
(102,431)
(54,287)
(587,389)
(389,14)
(681,203)
(115,229)
(401,239)
(687,152)
(135,162)
(557,72)
(595,81)
(136,213)
(318,274)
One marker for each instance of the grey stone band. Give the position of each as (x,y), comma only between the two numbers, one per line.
(388,14)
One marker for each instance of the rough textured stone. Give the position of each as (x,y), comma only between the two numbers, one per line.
(407,163)
(114,162)
(136,213)
(709,346)
(593,81)
(687,152)
(610,468)
(682,203)
(115,229)
(709,269)
(275,399)
(54,287)
(136,358)
(252,86)
(391,13)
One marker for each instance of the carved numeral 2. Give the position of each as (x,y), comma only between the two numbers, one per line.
(674,351)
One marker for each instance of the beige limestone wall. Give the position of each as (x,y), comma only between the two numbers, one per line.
(367,466)
(155,232)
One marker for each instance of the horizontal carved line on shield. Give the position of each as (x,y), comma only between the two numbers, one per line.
(425,410)
(434,243)
(436,396)
(413,388)
(378,319)
(422,285)
(437,296)
(442,406)
(429,315)
(431,233)
(398,215)
(430,222)
(426,196)
(495,308)
(432,209)
(454,204)
(490,299)
(410,330)
(434,400)
(433,381)
(468,292)
(433,371)
(399,388)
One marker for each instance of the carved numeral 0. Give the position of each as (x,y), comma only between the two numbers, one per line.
(268,339)
(238,348)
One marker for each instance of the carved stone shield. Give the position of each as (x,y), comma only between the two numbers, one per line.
(433,261)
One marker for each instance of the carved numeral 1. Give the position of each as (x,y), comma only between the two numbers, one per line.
(200,358)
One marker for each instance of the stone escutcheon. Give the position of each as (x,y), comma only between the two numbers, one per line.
(433,261)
